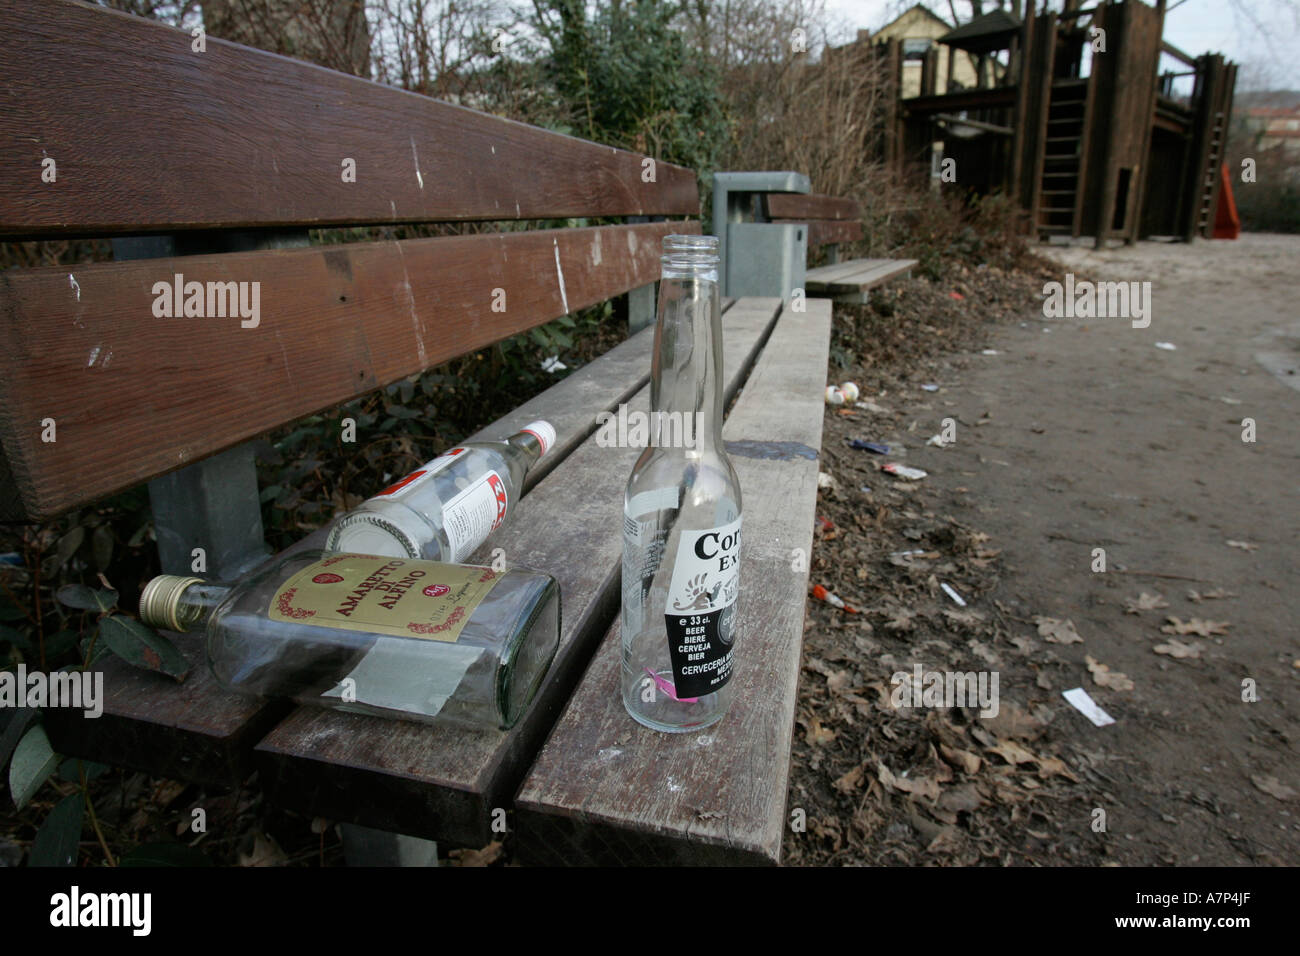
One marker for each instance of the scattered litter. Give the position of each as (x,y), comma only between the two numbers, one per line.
(902,471)
(871,407)
(865,489)
(553,365)
(13,558)
(956,295)
(1103,676)
(1167,346)
(907,554)
(878,448)
(939,441)
(825,480)
(1084,704)
(1057,631)
(929,388)
(990,352)
(1243,545)
(826,524)
(1144,602)
(948,590)
(1218,594)
(834,396)
(851,391)
(1195,626)
(821,594)
(1229,401)
(1047,330)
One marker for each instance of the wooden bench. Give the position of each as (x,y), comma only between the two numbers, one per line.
(229,155)
(773,223)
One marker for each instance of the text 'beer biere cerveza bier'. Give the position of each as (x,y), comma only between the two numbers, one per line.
(445,509)
(390,636)
(682,513)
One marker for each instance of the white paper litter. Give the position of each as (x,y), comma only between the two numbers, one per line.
(952,594)
(902,471)
(1080,701)
(553,364)
(1167,346)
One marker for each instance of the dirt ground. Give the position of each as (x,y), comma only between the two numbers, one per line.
(1077,435)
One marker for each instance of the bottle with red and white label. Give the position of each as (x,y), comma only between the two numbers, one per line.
(444,510)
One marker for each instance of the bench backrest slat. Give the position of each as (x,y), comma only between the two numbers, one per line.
(795,206)
(149,136)
(134,395)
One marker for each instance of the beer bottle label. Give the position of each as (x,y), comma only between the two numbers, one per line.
(701,610)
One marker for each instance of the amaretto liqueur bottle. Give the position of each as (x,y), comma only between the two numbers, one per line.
(682,514)
(445,509)
(396,637)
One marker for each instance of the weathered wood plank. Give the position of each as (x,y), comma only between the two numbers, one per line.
(198,731)
(195,731)
(148,135)
(606,790)
(803,207)
(822,232)
(133,396)
(855,277)
(442,782)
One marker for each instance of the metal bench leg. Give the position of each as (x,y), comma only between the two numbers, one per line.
(640,308)
(363,846)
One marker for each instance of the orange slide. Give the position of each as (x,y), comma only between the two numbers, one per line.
(1227,225)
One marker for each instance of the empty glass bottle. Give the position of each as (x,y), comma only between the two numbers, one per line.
(682,514)
(381,635)
(445,509)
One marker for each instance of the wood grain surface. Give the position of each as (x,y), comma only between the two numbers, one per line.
(148,135)
(134,395)
(442,782)
(606,790)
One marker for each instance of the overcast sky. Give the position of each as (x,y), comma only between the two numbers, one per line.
(1259,34)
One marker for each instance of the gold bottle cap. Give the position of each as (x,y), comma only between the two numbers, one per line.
(161,597)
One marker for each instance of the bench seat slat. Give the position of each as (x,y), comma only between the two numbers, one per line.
(855,277)
(195,731)
(605,790)
(443,783)
(84,347)
(150,136)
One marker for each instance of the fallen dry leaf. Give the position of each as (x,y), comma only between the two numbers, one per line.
(484,857)
(1144,602)
(817,735)
(1057,631)
(1218,594)
(1195,626)
(1013,721)
(1273,787)
(921,786)
(850,781)
(963,759)
(264,852)
(1055,767)
(1103,676)
(1012,752)
(1176,648)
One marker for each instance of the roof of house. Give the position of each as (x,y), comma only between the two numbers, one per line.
(992,31)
